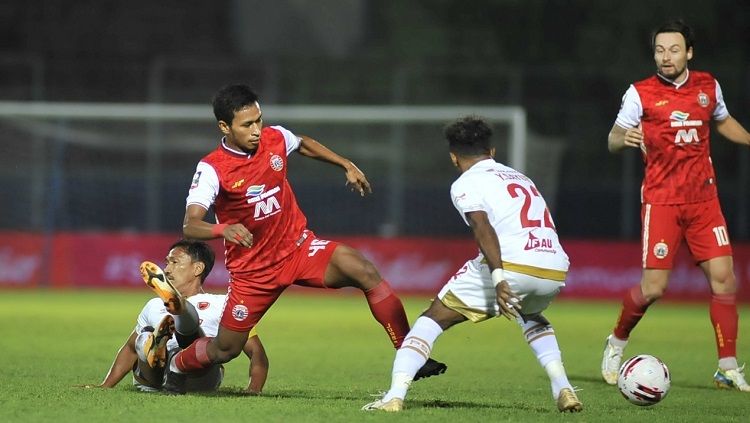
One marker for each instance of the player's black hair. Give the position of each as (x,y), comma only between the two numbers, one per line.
(198,251)
(468,136)
(677,25)
(230,99)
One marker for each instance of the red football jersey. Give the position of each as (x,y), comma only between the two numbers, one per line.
(676,121)
(253,190)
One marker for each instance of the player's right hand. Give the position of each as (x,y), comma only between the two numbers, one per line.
(633,137)
(238,234)
(507,300)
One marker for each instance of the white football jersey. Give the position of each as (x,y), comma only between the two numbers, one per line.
(519,215)
(208,306)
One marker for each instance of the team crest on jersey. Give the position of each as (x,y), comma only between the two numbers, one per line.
(703,99)
(661,250)
(239,312)
(196,179)
(202,305)
(277,163)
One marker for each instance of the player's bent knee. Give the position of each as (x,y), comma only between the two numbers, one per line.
(224,356)
(224,350)
(369,272)
(652,294)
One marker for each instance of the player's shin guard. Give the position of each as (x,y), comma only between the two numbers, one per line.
(724,320)
(388,311)
(412,355)
(195,357)
(634,306)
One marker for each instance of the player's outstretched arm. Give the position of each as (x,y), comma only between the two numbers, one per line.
(730,129)
(124,361)
(619,138)
(258,365)
(355,178)
(194,227)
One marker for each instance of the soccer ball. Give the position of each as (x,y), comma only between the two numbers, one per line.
(644,380)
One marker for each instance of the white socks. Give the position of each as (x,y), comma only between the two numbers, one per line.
(617,342)
(728,363)
(140,347)
(543,343)
(412,355)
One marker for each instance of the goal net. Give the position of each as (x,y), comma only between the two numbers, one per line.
(127,167)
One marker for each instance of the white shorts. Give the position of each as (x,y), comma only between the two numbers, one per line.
(471,293)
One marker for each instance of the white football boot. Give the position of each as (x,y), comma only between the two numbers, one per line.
(731,379)
(611,360)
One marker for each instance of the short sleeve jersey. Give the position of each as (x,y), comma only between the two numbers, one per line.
(253,190)
(208,306)
(675,120)
(516,211)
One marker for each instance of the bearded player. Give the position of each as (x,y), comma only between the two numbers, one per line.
(667,117)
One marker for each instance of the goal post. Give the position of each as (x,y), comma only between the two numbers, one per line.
(515,116)
(60,119)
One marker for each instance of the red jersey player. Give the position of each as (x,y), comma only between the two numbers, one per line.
(668,116)
(268,245)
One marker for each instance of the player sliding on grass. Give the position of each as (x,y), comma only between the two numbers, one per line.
(520,268)
(185,311)
(668,117)
(268,245)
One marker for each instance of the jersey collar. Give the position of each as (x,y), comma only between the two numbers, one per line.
(675,84)
(483,164)
(232,151)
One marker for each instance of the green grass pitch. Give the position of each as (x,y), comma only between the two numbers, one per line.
(328,356)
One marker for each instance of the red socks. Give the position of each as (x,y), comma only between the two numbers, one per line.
(194,357)
(388,311)
(633,307)
(724,320)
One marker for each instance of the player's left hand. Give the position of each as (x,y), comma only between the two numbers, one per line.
(356,180)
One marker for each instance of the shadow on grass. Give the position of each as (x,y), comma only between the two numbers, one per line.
(598,380)
(412,404)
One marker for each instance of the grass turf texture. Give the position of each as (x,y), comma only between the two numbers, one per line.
(328,355)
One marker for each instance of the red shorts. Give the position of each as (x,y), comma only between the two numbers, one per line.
(702,225)
(249,298)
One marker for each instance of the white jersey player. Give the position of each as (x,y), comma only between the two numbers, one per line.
(520,268)
(208,308)
(181,314)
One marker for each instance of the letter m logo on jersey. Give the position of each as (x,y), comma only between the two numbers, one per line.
(267,207)
(686,136)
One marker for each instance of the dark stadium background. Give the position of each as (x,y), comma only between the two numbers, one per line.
(566,62)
